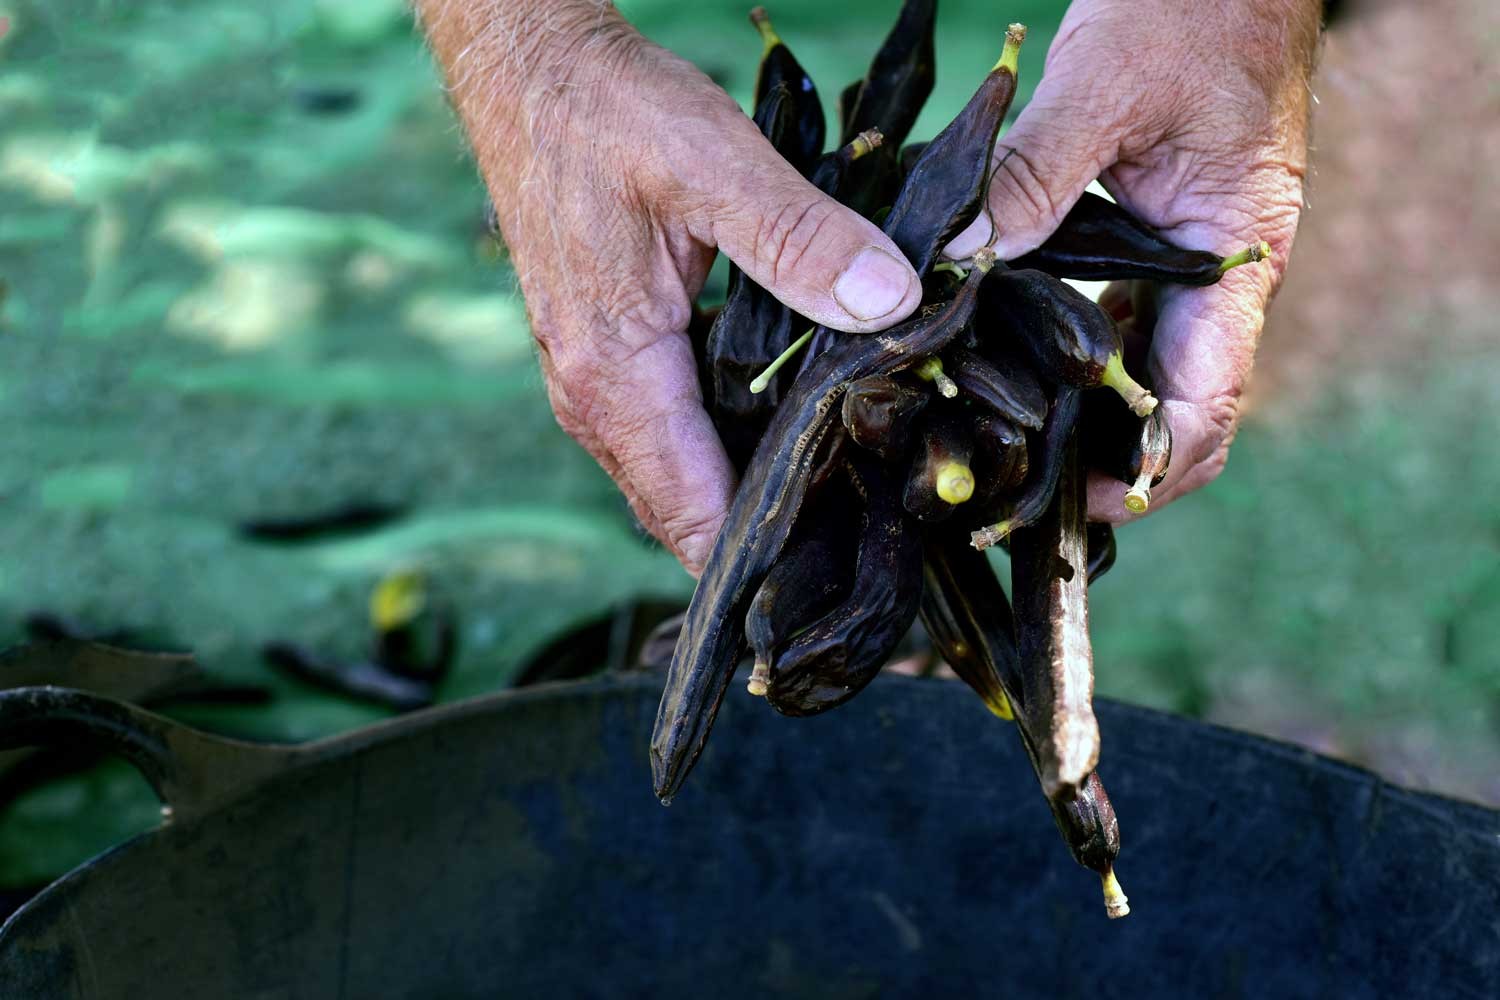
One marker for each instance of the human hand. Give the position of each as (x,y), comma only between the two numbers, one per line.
(1194,117)
(617,169)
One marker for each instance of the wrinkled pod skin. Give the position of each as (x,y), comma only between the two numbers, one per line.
(880,412)
(760,518)
(833,659)
(1100,241)
(1049,587)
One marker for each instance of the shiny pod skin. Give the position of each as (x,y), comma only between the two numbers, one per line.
(761,517)
(1048,452)
(1000,458)
(1002,386)
(900,77)
(968,618)
(1100,241)
(803,141)
(942,193)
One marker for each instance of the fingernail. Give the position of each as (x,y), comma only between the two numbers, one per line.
(979,233)
(873,284)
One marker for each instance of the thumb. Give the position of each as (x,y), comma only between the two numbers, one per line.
(818,257)
(1039,170)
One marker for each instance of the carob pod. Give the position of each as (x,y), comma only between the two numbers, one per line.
(1047,462)
(1100,241)
(910,154)
(760,518)
(900,77)
(945,188)
(832,174)
(1000,458)
(803,141)
(890,98)
(1101,549)
(847,97)
(879,413)
(1088,826)
(1001,385)
(806,582)
(1072,340)
(1134,450)
(943,192)
(1049,585)
(833,659)
(968,618)
(941,477)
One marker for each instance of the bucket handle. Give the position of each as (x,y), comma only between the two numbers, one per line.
(191,772)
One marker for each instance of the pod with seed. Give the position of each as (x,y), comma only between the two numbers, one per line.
(760,518)
(1000,458)
(1100,241)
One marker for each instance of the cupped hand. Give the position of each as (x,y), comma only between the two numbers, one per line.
(1194,117)
(617,173)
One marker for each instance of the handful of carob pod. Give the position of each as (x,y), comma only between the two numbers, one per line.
(876,469)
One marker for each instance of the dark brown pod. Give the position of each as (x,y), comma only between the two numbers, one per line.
(1069,337)
(1048,452)
(1134,450)
(1049,585)
(1001,386)
(803,141)
(941,476)
(943,192)
(1101,549)
(1088,826)
(806,582)
(833,659)
(968,618)
(1100,241)
(900,77)
(879,413)
(1000,458)
(761,517)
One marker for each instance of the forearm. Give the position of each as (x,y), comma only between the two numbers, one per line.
(503,60)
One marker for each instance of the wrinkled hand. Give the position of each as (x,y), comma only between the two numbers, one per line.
(617,169)
(1194,117)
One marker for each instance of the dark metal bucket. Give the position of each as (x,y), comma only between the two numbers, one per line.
(510,846)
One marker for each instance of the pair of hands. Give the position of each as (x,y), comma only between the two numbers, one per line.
(619,170)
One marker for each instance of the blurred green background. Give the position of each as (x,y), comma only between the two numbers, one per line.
(222,302)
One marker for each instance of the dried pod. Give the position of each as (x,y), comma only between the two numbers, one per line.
(879,412)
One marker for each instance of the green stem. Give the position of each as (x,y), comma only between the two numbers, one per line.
(1251,254)
(764,378)
(990,535)
(1117,378)
(952,268)
(1010,56)
(1138,497)
(1115,903)
(762,22)
(931,370)
(865,143)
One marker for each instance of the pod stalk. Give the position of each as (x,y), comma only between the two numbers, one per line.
(990,535)
(1116,904)
(1253,253)
(760,679)
(762,380)
(1010,56)
(1138,497)
(762,22)
(1140,401)
(955,482)
(931,370)
(865,143)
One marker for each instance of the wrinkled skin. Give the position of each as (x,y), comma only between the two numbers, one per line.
(617,170)
(1194,117)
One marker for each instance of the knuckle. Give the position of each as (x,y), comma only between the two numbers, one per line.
(788,236)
